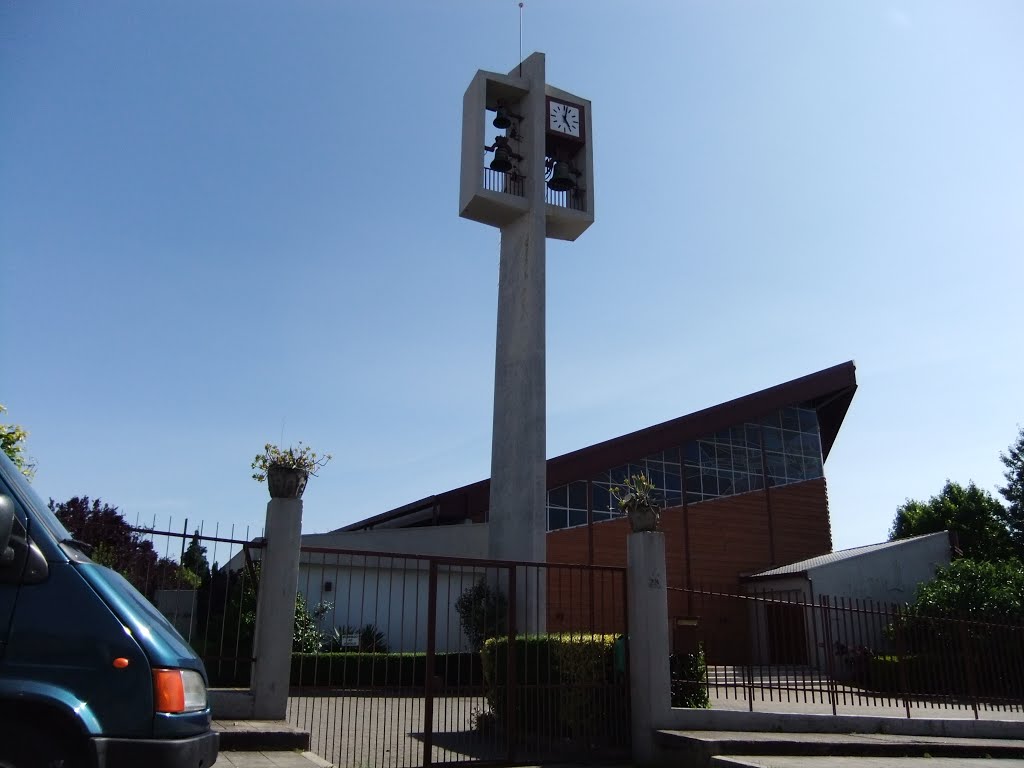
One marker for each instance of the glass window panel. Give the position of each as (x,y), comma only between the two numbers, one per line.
(753,435)
(770,420)
(602,498)
(558,497)
(794,467)
(722,436)
(600,517)
(772,439)
(739,459)
(741,483)
(618,475)
(693,498)
(776,464)
(673,498)
(692,452)
(811,445)
(707,453)
(791,419)
(792,442)
(577,517)
(724,484)
(812,468)
(672,483)
(723,456)
(578,495)
(557,519)
(808,420)
(756,482)
(709,483)
(754,462)
(672,456)
(659,457)
(693,480)
(737,436)
(637,469)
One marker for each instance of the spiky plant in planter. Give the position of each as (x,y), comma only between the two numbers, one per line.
(637,499)
(286,470)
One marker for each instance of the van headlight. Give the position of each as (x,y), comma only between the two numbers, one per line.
(178,690)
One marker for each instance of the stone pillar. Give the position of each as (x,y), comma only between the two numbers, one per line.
(275,609)
(649,684)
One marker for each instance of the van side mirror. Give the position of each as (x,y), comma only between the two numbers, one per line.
(6,528)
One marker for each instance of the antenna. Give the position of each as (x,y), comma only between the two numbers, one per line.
(520,38)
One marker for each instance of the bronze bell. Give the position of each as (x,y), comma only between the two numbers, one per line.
(502,120)
(562,179)
(502,161)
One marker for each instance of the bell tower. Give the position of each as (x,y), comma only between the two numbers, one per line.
(527,169)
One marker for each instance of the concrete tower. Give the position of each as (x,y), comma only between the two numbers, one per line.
(530,175)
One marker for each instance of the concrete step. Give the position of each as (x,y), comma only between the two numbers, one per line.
(700,748)
(260,735)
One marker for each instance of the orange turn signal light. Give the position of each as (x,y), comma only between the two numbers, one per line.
(168,691)
(120,663)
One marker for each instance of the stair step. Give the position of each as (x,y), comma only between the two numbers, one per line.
(702,747)
(260,736)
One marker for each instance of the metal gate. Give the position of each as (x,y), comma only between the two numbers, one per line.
(407,660)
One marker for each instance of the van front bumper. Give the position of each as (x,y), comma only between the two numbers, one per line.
(192,752)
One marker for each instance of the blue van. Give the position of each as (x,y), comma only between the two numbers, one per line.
(91,674)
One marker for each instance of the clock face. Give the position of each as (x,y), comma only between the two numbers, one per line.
(564,118)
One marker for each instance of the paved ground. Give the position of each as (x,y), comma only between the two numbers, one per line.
(862,762)
(375,731)
(270,760)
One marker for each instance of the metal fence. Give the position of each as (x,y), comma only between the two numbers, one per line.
(202,579)
(777,651)
(409,660)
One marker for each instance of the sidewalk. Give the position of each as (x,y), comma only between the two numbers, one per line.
(270,760)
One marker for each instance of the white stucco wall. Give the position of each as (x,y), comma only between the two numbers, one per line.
(391,591)
(889,575)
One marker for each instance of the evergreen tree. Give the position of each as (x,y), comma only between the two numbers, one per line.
(1013,492)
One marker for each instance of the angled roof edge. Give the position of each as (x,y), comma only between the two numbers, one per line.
(801,567)
(829,391)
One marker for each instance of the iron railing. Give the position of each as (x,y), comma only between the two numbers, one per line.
(510,183)
(413,662)
(202,580)
(776,651)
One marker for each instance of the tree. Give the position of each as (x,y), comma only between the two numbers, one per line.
(12,440)
(975,515)
(194,560)
(974,588)
(116,544)
(1013,492)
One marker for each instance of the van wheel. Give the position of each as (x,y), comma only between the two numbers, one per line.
(25,746)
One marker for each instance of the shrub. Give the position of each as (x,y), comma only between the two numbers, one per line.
(689,680)
(483,613)
(566,686)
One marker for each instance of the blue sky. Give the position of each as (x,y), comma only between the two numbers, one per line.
(226,223)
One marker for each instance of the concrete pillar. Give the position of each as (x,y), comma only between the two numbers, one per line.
(649,684)
(518,499)
(275,609)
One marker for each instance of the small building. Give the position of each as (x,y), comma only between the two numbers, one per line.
(859,585)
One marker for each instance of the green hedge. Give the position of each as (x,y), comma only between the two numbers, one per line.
(942,674)
(567,686)
(377,670)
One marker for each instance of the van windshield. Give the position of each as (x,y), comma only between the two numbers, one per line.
(34,505)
